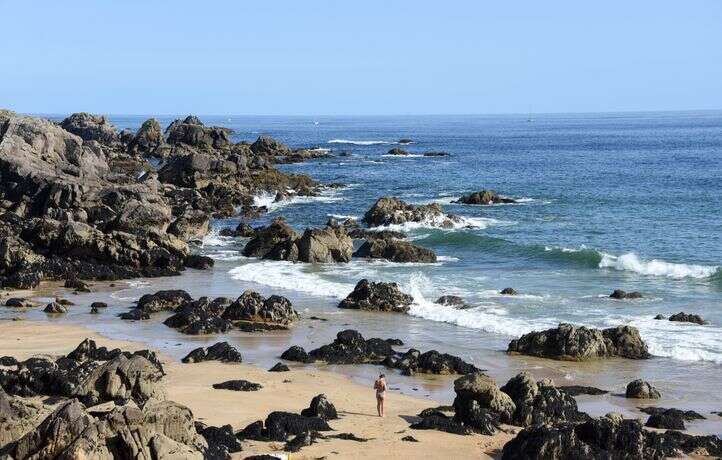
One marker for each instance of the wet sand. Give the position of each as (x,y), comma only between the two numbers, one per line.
(191,385)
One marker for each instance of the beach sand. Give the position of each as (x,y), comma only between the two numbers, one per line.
(190,384)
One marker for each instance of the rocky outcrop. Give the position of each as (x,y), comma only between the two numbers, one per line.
(396,151)
(395,251)
(377,297)
(279,241)
(242,230)
(477,391)
(451,301)
(297,354)
(687,318)
(265,145)
(192,132)
(253,307)
(568,342)
(430,362)
(91,127)
(279,426)
(350,347)
(221,351)
(149,139)
(320,407)
(390,210)
(279,367)
(621,295)
(485,197)
(192,225)
(640,389)
(540,403)
(161,430)
(605,437)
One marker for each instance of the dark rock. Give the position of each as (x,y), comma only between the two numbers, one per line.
(432,362)
(18,303)
(98,305)
(668,420)
(78,285)
(476,392)
(199,262)
(604,438)
(8,361)
(508,291)
(242,230)
(202,316)
(660,316)
(265,145)
(620,294)
(405,141)
(576,390)
(351,348)
(191,132)
(148,139)
(395,251)
(192,225)
(320,407)
(397,151)
(451,301)
(395,342)
(221,441)
(298,354)
(688,415)
(390,210)
(377,297)
(568,342)
(441,422)
(90,127)
(641,390)
(409,438)
(687,318)
(366,234)
(346,437)
(436,154)
(299,441)
(254,431)
(237,385)
(537,403)
(280,425)
(222,351)
(253,307)
(279,367)
(167,300)
(485,197)
(55,308)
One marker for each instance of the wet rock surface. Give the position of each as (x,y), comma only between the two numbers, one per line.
(393,211)
(484,197)
(279,426)
(395,251)
(621,295)
(377,297)
(222,351)
(687,318)
(640,389)
(237,385)
(568,342)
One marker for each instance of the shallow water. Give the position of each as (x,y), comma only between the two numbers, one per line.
(608,201)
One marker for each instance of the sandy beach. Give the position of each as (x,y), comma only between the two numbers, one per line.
(190,385)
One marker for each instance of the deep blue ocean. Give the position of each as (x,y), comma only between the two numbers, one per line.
(629,200)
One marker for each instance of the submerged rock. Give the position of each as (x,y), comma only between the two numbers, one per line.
(687,318)
(279,367)
(350,347)
(377,297)
(393,211)
(620,294)
(576,390)
(395,251)
(640,389)
(451,301)
(55,308)
(397,151)
(297,354)
(484,197)
(508,291)
(568,342)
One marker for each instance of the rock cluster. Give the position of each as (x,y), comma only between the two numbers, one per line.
(484,197)
(279,241)
(249,312)
(568,342)
(621,295)
(377,297)
(395,251)
(687,318)
(222,351)
(279,426)
(350,347)
(393,211)
(80,200)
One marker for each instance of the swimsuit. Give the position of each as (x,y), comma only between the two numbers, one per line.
(380,390)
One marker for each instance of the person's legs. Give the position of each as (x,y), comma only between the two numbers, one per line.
(382,406)
(379,405)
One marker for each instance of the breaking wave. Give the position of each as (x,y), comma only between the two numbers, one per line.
(352,142)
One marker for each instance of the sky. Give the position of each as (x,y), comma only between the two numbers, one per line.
(311,57)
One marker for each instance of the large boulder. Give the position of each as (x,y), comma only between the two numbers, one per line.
(622,295)
(639,389)
(325,245)
(350,347)
(687,318)
(200,317)
(192,132)
(568,342)
(192,225)
(221,351)
(265,145)
(275,241)
(253,307)
(320,407)
(478,390)
(393,211)
(91,127)
(377,297)
(149,138)
(484,197)
(395,251)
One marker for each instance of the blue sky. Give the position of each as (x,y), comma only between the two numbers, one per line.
(365,57)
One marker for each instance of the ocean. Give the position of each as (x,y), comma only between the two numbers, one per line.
(605,201)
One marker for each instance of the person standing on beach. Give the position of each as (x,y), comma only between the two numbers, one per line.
(380,387)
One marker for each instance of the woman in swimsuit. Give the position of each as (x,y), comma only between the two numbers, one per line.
(380,387)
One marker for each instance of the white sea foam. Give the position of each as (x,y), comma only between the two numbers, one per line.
(408,155)
(213,238)
(343,216)
(489,318)
(496,294)
(359,142)
(437,222)
(680,341)
(268,199)
(632,262)
(287,275)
